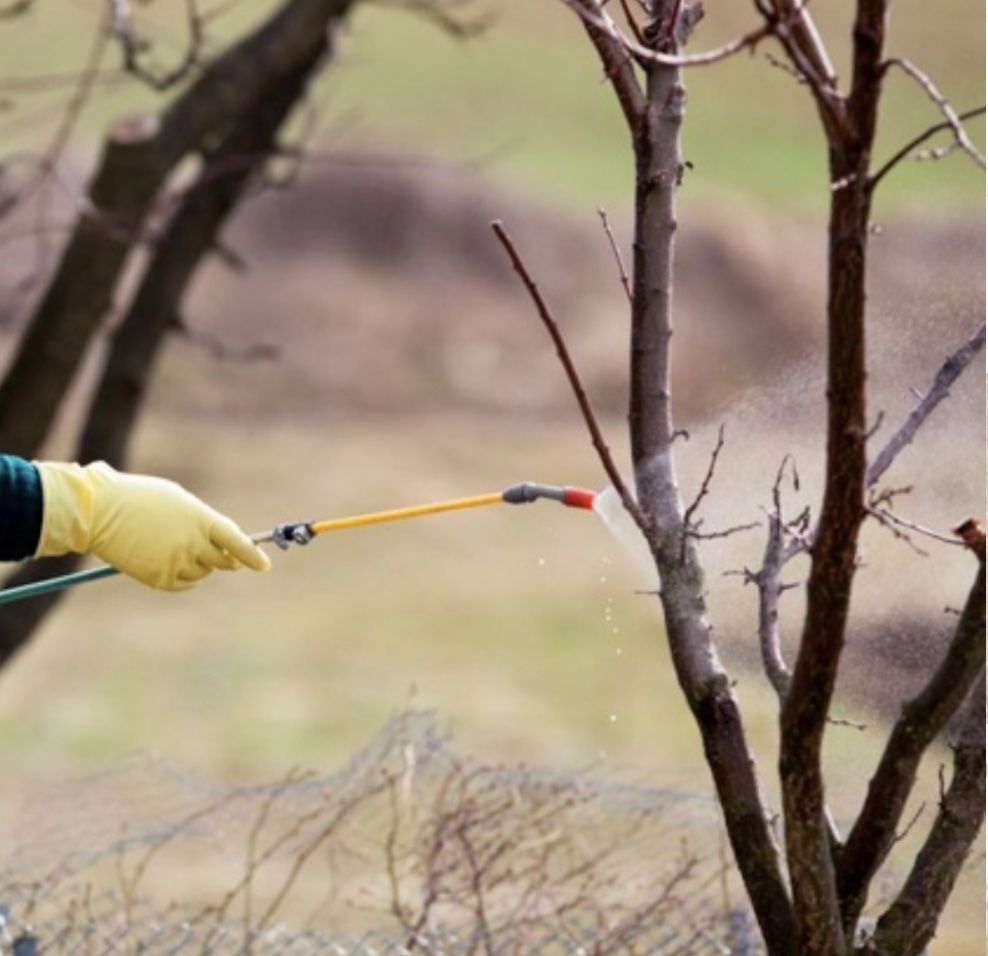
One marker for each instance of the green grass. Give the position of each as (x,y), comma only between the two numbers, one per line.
(527,101)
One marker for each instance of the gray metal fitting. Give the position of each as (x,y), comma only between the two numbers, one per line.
(292,532)
(529,491)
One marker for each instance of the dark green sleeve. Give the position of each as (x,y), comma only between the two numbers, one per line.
(21,507)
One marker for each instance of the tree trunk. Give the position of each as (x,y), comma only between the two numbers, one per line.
(699,671)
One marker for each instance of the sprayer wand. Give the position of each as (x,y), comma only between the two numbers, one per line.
(302,532)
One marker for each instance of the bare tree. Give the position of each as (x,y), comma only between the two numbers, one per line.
(809,895)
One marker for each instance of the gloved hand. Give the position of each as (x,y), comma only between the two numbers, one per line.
(149,528)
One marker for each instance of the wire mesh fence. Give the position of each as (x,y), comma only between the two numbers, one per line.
(411,848)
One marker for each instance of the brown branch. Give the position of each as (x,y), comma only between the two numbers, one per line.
(769,581)
(888,518)
(809,845)
(695,531)
(616,252)
(594,17)
(904,152)
(796,20)
(951,118)
(707,478)
(922,719)
(552,327)
(618,66)
(632,22)
(947,374)
(910,922)
(133,47)
(796,32)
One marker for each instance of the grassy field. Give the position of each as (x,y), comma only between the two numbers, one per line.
(525,99)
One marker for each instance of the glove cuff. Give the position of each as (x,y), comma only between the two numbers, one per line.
(67,518)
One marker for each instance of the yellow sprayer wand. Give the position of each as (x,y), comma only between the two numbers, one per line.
(302,532)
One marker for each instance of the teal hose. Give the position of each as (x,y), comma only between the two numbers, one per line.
(56,584)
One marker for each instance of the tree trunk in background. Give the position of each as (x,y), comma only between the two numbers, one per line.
(190,236)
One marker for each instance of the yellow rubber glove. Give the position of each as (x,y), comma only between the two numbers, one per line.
(149,528)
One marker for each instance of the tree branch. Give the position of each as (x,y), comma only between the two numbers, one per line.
(911,921)
(834,552)
(618,66)
(801,41)
(946,375)
(552,327)
(132,46)
(769,582)
(904,152)
(943,104)
(923,718)
(616,252)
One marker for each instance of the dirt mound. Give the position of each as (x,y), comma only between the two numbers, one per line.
(385,289)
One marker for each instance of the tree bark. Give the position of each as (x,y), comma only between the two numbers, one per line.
(834,550)
(911,921)
(923,718)
(699,671)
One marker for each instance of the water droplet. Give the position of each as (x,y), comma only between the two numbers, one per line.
(613,718)
(541,562)
(615,630)
(617,651)
(603,579)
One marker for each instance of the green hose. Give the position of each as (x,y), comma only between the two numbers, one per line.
(55,584)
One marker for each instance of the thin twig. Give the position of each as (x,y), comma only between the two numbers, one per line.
(884,514)
(887,521)
(707,478)
(632,22)
(916,141)
(844,722)
(949,113)
(645,55)
(899,837)
(597,438)
(616,250)
(947,374)
(770,587)
(132,46)
(695,532)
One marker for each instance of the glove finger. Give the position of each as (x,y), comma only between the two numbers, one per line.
(216,559)
(226,535)
(193,575)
